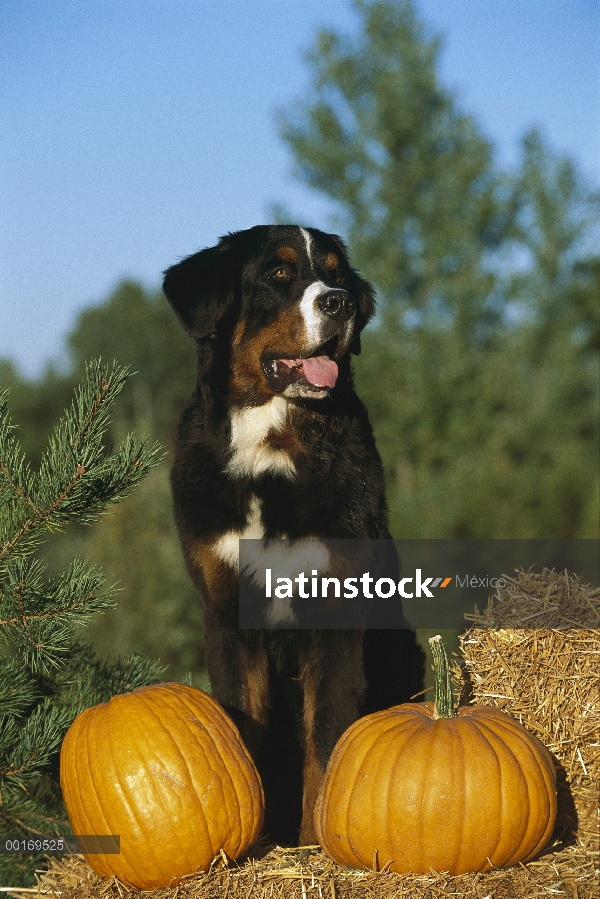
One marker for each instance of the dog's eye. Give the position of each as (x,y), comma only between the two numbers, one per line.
(281,274)
(338,277)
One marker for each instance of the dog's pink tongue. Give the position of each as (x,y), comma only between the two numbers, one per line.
(318,370)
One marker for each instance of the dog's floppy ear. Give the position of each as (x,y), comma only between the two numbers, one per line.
(202,287)
(364,294)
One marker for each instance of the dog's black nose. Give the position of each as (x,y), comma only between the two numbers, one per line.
(337,304)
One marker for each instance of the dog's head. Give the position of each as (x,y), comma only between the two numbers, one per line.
(287,300)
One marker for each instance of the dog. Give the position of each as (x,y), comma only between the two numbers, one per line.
(277,444)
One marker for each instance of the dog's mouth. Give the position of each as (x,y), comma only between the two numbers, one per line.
(317,372)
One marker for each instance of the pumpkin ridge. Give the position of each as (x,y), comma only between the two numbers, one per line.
(516,728)
(94,725)
(168,705)
(428,723)
(122,713)
(129,804)
(427,821)
(224,775)
(114,710)
(93,734)
(482,726)
(547,786)
(395,727)
(232,834)
(391,735)
(420,728)
(355,730)
(89,736)
(228,735)
(93,737)
(142,752)
(476,730)
(349,842)
(244,767)
(462,816)
(336,770)
(76,751)
(515,732)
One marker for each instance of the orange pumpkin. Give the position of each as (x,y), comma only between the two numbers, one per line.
(424,787)
(164,768)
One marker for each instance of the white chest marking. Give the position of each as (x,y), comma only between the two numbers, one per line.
(250,427)
(288,560)
(285,559)
(227,547)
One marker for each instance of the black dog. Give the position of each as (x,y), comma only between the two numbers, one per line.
(276,444)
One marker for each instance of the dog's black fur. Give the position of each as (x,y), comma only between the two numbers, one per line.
(262,446)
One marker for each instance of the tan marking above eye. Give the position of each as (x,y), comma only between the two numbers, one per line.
(331,261)
(287,254)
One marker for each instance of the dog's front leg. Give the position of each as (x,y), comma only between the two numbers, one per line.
(238,668)
(313,768)
(333,687)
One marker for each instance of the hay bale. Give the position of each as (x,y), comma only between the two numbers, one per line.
(535,653)
(307,873)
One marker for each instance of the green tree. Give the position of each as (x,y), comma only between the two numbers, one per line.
(480,373)
(46,675)
(139,326)
(159,612)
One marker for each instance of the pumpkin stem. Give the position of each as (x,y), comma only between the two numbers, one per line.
(443,702)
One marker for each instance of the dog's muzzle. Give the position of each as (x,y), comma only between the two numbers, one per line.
(313,371)
(338,305)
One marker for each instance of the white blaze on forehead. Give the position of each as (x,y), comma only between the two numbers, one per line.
(312,316)
(308,242)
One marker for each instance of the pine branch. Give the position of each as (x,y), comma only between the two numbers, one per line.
(37,618)
(15,475)
(88,680)
(17,689)
(37,741)
(77,479)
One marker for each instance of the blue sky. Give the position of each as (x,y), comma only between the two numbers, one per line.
(133,132)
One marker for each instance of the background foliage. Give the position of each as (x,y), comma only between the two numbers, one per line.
(480,372)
